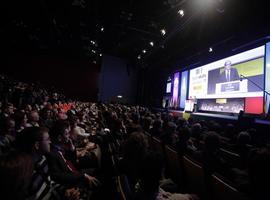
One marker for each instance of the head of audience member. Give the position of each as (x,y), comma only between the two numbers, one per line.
(118,126)
(60,132)
(190,120)
(62,116)
(151,172)
(243,138)
(259,174)
(9,109)
(28,108)
(196,130)
(135,118)
(229,131)
(171,128)
(253,133)
(183,137)
(181,122)
(15,171)
(135,146)
(216,127)
(33,116)
(46,114)
(157,124)
(20,120)
(211,142)
(34,140)
(147,122)
(7,126)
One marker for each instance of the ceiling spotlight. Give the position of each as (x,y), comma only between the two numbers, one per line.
(210,49)
(100,54)
(139,57)
(95,62)
(144,51)
(181,13)
(93,42)
(151,43)
(93,51)
(102,29)
(163,31)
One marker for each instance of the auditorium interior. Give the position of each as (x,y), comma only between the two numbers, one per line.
(135,100)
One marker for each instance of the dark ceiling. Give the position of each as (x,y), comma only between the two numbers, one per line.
(88,28)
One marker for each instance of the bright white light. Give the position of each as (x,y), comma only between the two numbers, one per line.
(102,29)
(95,62)
(93,51)
(181,13)
(139,57)
(119,96)
(100,54)
(151,44)
(144,51)
(210,49)
(93,42)
(163,31)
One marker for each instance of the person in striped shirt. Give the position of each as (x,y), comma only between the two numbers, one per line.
(36,142)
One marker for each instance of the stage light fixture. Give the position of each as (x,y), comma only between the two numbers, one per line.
(144,51)
(210,49)
(101,29)
(139,57)
(151,43)
(181,13)
(100,54)
(93,51)
(163,31)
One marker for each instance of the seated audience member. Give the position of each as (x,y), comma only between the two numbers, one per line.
(134,149)
(62,159)
(33,119)
(210,156)
(196,132)
(242,147)
(35,141)
(146,124)
(230,133)
(253,136)
(16,170)
(259,174)
(118,131)
(156,130)
(88,154)
(20,121)
(182,145)
(47,117)
(7,134)
(7,110)
(169,135)
(150,176)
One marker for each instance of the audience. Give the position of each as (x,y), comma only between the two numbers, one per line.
(15,171)
(66,159)
(150,176)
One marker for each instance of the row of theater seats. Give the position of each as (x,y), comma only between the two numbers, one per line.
(188,174)
(191,178)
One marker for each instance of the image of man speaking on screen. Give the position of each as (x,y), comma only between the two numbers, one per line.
(229,73)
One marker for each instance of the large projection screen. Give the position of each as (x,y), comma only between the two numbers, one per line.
(214,80)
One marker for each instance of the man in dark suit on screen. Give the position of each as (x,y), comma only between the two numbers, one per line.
(229,73)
